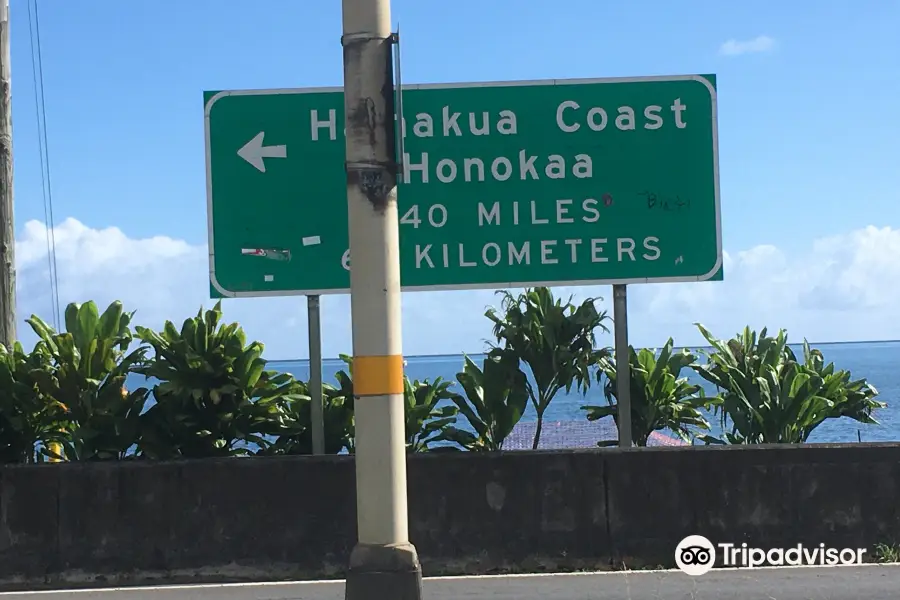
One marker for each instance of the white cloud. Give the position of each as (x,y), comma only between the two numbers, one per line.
(761,43)
(841,288)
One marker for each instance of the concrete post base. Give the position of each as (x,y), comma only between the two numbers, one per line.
(384,573)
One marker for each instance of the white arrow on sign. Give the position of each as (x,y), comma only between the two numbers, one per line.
(254,152)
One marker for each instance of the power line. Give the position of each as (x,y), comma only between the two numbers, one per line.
(37,27)
(37,68)
(37,110)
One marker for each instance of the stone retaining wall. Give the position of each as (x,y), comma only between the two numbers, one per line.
(236,519)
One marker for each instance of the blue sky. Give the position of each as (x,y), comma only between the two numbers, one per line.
(808,125)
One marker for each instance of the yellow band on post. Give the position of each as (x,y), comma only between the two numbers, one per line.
(377,375)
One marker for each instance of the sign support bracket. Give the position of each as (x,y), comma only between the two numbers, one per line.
(398,106)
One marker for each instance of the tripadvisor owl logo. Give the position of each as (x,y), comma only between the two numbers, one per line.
(695,555)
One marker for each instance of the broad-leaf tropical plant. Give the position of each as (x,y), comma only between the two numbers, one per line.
(493,400)
(661,399)
(214,396)
(425,420)
(853,398)
(555,340)
(340,419)
(295,437)
(29,419)
(768,396)
(91,361)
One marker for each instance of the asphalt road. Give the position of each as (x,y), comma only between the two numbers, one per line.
(870,582)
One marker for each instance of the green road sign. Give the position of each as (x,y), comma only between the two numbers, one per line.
(563,182)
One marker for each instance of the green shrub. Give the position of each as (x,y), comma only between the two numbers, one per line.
(90,362)
(769,396)
(30,420)
(556,340)
(214,396)
(295,436)
(494,401)
(661,399)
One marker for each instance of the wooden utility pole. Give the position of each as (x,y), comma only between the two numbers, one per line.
(7,222)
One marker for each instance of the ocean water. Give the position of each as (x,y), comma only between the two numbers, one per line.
(566,424)
(878,362)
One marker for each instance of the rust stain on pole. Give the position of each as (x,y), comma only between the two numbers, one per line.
(376,179)
(376,183)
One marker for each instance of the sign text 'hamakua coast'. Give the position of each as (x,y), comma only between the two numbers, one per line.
(551,183)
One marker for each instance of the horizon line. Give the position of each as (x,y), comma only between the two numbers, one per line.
(482,353)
